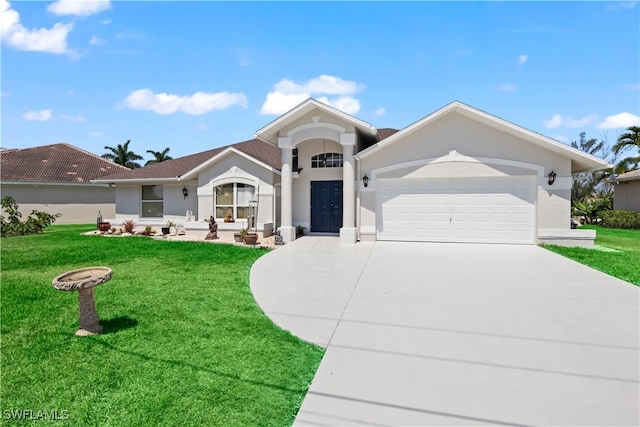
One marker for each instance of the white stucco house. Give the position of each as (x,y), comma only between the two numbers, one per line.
(456,175)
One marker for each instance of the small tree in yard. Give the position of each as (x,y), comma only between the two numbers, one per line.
(14,226)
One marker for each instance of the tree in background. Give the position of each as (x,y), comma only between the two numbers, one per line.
(159,156)
(629,139)
(591,192)
(122,156)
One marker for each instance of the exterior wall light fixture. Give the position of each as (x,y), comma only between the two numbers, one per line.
(185,192)
(552,177)
(365,180)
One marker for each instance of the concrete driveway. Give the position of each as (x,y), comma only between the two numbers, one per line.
(456,334)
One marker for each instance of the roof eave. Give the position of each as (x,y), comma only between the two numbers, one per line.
(135,180)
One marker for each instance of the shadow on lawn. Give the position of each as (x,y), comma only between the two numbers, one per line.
(111,326)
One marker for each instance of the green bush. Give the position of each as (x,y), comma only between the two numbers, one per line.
(620,219)
(14,226)
(590,209)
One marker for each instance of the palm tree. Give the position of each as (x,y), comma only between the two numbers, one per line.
(159,156)
(629,139)
(122,156)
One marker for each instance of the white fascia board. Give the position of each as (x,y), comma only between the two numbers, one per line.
(193,173)
(495,122)
(135,181)
(303,108)
(91,183)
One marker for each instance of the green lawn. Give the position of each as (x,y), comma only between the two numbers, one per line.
(184,343)
(617,253)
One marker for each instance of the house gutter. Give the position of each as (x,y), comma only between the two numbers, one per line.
(91,183)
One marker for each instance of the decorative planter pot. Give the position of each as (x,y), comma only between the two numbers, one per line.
(166,230)
(251,239)
(104,226)
(237,237)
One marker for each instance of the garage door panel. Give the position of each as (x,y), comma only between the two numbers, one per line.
(498,210)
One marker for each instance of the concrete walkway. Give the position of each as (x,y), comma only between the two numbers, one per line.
(456,334)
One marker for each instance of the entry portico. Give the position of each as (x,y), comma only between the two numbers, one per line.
(329,140)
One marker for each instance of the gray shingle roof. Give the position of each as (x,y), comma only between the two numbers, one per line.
(56,163)
(255,148)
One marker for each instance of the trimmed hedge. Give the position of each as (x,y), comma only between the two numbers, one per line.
(620,219)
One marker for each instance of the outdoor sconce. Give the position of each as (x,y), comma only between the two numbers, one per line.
(365,180)
(552,177)
(185,192)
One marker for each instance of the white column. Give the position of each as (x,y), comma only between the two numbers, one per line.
(287,231)
(348,232)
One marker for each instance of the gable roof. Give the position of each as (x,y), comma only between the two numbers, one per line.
(174,170)
(56,163)
(269,133)
(580,161)
(628,176)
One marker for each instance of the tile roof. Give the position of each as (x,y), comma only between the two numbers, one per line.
(255,148)
(260,150)
(386,133)
(56,163)
(629,176)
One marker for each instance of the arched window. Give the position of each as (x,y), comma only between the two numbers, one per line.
(233,198)
(327,160)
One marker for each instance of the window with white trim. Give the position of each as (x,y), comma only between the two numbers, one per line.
(233,198)
(152,201)
(327,160)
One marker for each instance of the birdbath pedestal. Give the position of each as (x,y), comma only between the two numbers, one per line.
(83,281)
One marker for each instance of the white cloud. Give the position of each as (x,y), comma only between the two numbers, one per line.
(623,5)
(79,8)
(522,59)
(506,87)
(37,116)
(620,120)
(560,138)
(96,41)
(558,121)
(14,34)
(196,104)
(95,134)
(380,111)
(345,104)
(74,119)
(287,94)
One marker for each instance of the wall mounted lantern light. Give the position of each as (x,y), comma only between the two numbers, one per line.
(365,180)
(552,177)
(185,192)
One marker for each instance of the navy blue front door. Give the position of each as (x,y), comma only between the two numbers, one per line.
(326,206)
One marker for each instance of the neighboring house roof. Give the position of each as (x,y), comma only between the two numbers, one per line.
(270,132)
(173,170)
(56,163)
(629,176)
(580,160)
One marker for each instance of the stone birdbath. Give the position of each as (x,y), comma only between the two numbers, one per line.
(83,281)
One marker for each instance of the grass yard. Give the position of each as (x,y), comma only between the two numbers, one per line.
(184,343)
(617,253)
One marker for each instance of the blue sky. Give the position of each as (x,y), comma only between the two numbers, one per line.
(193,76)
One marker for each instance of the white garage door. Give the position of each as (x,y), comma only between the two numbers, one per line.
(476,210)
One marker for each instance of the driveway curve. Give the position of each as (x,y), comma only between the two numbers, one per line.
(456,334)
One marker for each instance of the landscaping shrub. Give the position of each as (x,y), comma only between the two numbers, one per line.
(35,222)
(590,209)
(620,219)
(128,225)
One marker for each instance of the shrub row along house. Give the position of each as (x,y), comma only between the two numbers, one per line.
(457,175)
(57,179)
